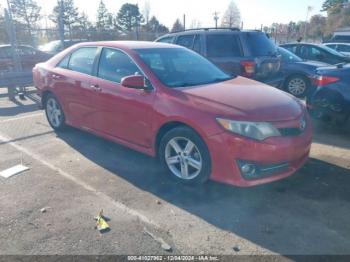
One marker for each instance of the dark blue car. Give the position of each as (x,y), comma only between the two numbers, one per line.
(331,100)
(298,74)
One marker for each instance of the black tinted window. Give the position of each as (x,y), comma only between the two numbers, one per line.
(185,40)
(223,45)
(291,48)
(5,52)
(26,51)
(82,60)
(259,44)
(197,44)
(168,39)
(114,65)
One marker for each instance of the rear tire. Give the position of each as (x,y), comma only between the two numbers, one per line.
(185,156)
(54,113)
(297,85)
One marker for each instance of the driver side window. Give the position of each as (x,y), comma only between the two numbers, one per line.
(114,65)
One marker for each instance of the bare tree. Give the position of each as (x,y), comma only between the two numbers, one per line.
(146,11)
(232,16)
(177,26)
(26,12)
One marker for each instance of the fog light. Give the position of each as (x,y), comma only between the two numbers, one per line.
(248,169)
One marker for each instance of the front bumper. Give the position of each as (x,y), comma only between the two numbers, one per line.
(229,150)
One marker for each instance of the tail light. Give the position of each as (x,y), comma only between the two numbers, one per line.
(248,68)
(324,80)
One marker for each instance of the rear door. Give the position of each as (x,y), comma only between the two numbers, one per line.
(121,112)
(225,51)
(71,82)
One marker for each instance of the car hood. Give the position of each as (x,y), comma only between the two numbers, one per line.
(245,99)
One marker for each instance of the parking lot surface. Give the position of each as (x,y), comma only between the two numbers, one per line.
(74,174)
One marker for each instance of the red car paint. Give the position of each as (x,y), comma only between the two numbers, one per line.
(133,117)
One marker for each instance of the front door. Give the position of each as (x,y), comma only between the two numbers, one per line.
(121,112)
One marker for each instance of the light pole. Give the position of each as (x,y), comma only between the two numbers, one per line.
(216,18)
(308,11)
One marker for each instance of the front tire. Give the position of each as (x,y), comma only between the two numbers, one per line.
(54,113)
(185,155)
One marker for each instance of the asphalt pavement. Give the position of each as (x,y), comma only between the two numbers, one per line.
(73,175)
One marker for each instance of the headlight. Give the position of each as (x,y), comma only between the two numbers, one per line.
(255,130)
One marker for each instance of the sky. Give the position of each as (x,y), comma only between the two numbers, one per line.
(254,13)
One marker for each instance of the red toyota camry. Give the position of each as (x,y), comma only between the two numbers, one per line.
(167,101)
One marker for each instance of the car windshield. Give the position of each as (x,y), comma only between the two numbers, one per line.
(51,46)
(179,67)
(288,56)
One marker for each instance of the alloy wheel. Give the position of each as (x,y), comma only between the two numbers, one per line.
(183,158)
(297,86)
(54,112)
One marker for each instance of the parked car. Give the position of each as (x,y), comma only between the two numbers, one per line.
(28,55)
(316,52)
(168,101)
(342,35)
(54,47)
(298,73)
(331,100)
(247,53)
(343,48)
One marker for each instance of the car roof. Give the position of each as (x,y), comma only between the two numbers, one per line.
(7,45)
(336,43)
(211,31)
(300,43)
(129,45)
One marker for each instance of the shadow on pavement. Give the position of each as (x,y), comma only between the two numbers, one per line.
(328,134)
(305,214)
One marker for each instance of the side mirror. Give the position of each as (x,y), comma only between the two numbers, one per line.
(136,81)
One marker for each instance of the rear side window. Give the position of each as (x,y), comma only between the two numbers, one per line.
(185,40)
(114,65)
(169,39)
(343,48)
(260,45)
(5,52)
(223,45)
(82,60)
(64,62)
(292,48)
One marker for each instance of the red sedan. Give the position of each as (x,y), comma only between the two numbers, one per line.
(167,101)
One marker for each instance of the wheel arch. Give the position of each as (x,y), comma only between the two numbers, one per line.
(167,126)
(44,96)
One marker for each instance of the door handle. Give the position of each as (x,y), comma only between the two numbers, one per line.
(96,88)
(56,76)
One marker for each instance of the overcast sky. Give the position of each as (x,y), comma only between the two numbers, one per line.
(253,12)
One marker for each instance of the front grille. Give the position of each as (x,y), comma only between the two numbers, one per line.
(290,131)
